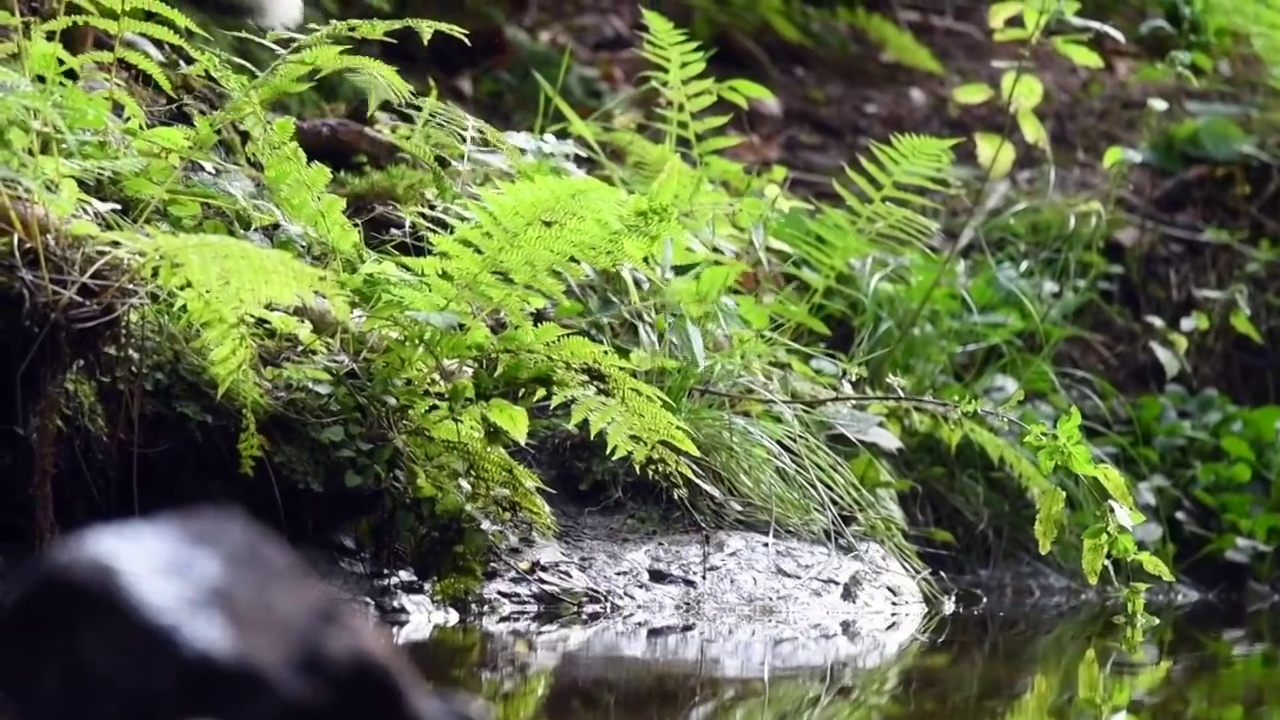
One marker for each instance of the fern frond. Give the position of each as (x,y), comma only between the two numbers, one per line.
(685,93)
(129,56)
(220,284)
(896,179)
(301,187)
(508,483)
(899,43)
(1005,454)
(176,18)
(525,235)
(376,29)
(635,417)
(286,77)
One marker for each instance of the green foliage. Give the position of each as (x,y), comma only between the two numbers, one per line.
(861,262)
(895,41)
(273,297)
(686,93)
(822,26)
(781,358)
(1020,91)
(1212,463)
(1207,30)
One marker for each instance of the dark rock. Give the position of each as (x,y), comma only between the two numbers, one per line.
(200,612)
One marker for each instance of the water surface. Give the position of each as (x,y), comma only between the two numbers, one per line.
(1207,662)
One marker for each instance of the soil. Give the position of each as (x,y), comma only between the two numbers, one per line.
(833,102)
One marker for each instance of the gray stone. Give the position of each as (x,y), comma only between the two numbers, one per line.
(741,604)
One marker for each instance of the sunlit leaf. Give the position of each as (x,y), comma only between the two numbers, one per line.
(995,153)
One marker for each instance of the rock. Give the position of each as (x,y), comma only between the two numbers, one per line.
(742,602)
(197,613)
(673,577)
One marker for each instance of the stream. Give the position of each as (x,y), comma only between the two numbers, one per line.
(1202,662)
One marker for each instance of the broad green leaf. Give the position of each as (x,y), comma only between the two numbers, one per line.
(1243,325)
(748,89)
(1000,13)
(1116,484)
(973,93)
(1237,448)
(1021,89)
(1069,424)
(1081,55)
(1093,553)
(509,417)
(1117,154)
(995,154)
(1012,34)
(1033,130)
(1154,565)
(1035,17)
(1051,506)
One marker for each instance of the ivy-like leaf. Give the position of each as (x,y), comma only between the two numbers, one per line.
(1093,553)
(1051,504)
(1154,565)
(509,417)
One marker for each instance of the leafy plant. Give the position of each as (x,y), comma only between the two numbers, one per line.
(1211,463)
(766,269)
(277,303)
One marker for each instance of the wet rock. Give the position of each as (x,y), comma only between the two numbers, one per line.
(196,613)
(741,602)
(677,576)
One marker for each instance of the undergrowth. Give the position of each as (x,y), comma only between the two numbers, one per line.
(655,296)
(770,271)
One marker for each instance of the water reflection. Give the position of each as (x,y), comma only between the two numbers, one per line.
(1200,664)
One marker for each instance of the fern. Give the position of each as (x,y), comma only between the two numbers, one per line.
(301,188)
(219,288)
(523,240)
(882,212)
(523,234)
(377,29)
(634,416)
(894,40)
(117,27)
(1005,454)
(686,93)
(176,18)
